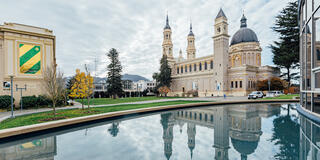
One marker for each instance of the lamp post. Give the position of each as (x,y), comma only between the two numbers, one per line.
(21,89)
(11,88)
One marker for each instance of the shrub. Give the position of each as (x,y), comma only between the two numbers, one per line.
(44,101)
(30,102)
(5,101)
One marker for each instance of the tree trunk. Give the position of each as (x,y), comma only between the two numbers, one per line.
(82,104)
(289,78)
(88,102)
(54,109)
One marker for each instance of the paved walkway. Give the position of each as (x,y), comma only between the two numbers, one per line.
(6,115)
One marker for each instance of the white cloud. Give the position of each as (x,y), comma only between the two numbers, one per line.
(86,30)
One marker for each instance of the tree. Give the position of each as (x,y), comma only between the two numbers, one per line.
(164,90)
(114,74)
(285,133)
(69,85)
(89,83)
(79,87)
(114,129)
(275,84)
(286,50)
(163,79)
(54,85)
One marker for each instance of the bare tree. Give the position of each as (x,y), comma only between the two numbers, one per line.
(54,85)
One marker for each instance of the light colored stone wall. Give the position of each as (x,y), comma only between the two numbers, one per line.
(11,35)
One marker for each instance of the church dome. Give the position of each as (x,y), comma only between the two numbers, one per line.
(244,147)
(244,34)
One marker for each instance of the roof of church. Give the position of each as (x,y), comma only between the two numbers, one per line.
(167,23)
(244,34)
(221,14)
(190,33)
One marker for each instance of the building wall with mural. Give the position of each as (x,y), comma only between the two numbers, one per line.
(25,53)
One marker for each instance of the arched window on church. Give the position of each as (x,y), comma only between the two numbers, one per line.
(190,68)
(195,67)
(181,69)
(211,64)
(240,84)
(236,84)
(231,84)
(177,70)
(200,66)
(205,66)
(186,68)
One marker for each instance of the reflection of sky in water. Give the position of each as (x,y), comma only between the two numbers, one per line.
(143,138)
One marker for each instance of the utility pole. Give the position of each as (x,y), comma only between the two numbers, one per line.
(21,89)
(11,86)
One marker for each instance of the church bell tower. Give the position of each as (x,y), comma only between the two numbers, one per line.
(167,45)
(191,49)
(221,46)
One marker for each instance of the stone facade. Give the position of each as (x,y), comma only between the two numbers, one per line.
(37,45)
(232,69)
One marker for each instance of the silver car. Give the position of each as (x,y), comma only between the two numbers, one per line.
(255,95)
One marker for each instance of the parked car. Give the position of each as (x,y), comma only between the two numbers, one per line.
(255,95)
(274,93)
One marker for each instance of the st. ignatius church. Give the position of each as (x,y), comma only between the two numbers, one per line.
(233,69)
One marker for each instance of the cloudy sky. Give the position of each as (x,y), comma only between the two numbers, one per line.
(87,29)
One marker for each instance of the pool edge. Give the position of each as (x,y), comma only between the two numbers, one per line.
(11,132)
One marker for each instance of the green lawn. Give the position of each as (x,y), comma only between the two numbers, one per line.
(101,101)
(284,96)
(72,113)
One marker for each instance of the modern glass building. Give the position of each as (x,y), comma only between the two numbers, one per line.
(309,21)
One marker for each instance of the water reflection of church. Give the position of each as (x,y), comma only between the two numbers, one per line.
(241,124)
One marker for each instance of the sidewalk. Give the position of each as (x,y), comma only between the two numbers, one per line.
(6,115)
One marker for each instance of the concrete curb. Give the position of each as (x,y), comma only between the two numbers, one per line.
(5,133)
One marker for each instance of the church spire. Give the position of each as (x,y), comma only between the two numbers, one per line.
(190,33)
(167,23)
(243,21)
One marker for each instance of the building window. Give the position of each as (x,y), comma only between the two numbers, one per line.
(231,84)
(190,68)
(195,67)
(186,68)
(181,69)
(177,70)
(211,64)
(318,54)
(205,66)
(240,84)
(200,66)
(236,84)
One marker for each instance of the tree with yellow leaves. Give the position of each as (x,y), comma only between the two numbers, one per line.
(82,86)
(89,83)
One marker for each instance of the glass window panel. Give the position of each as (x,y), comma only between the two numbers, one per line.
(316,134)
(317,80)
(308,101)
(316,103)
(309,8)
(316,33)
(308,58)
(302,60)
(316,4)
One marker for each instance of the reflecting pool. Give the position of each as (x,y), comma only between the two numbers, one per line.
(252,131)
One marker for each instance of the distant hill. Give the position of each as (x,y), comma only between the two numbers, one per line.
(131,77)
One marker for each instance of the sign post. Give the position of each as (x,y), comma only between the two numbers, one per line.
(21,89)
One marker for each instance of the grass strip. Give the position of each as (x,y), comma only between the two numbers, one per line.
(101,101)
(283,96)
(72,113)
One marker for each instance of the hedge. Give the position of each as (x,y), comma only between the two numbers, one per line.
(5,102)
(40,101)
